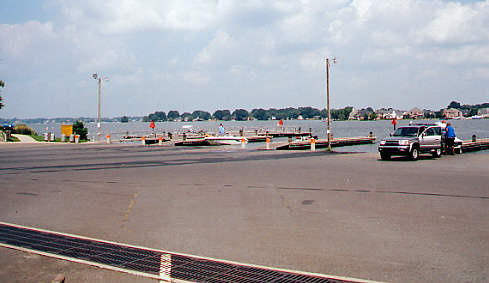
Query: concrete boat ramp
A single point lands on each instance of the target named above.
(322, 143)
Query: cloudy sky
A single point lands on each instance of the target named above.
(212, 54)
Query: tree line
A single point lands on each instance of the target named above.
(470, 110)
(289, 113)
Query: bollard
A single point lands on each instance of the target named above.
(474, 138)
(72, 138)
(243, 143)
(371, 134)
(77, 138)
(63, 137)
(313, 144)
(51, 137)
(267, 140)
(143, 140)
(160, 140)
(46, 137)
(108, 139)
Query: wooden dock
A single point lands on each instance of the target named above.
(322, 143)
(286, 134)
(203, 142)
(479, 144)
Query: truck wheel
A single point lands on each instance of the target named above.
(437, 153)
(414, 154)
(385, 156)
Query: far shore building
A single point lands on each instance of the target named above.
(360, 114)
(414, 113)
(452, 113)
(389, 114)
(484, 112)
(353, 114)
(429, 113)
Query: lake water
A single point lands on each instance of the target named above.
(380, 129)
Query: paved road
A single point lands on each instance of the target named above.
(344, 214)
(25, 138)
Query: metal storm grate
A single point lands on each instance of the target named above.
(149, 263)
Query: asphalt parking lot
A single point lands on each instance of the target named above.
(347, 214)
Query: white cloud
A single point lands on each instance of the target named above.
(20, 39)
(121, 16)
(260, 49)
(458, 24)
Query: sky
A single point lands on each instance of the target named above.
(227, 54)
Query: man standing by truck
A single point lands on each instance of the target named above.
(450, 139)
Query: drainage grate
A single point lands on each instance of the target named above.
(149, 263)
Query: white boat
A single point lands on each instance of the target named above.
(225, 140)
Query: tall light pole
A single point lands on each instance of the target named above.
(97, 77)
(327, 101)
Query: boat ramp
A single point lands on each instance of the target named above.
(322, 143)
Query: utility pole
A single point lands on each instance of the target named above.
(99, 116)
(327, 101)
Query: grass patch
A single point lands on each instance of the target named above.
(13, 139)
(38, 138)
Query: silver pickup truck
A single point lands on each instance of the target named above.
(412, 140)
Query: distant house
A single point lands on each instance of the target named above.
(452, 113)
(465, 112)
(389, 113)
(353, 114)
(414, 113)
(360, 114)
(484, 112)
(383, 113)
(429, 113)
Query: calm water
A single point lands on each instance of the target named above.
(380, 129)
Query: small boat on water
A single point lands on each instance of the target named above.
(225, 140)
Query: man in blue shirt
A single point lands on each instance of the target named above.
(450, 138)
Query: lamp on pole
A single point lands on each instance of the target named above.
(97, 77)
(327, 101)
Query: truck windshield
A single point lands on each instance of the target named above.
(406, 132)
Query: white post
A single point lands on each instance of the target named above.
(268, 142)
(143, 140)
(313, 144)
(160, 140)
(108, 139)
(243, 143)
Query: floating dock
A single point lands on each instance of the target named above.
(203, 142)
(288, 134)
(479, 144)
(321, 143)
